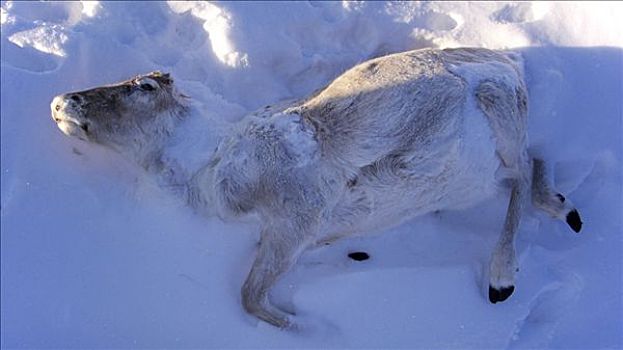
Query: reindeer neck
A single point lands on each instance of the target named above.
(186, 152)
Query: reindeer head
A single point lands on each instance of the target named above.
(131, 116)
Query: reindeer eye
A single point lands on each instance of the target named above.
(146, 84)
(147, 87)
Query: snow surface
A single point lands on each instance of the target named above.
(95, 255)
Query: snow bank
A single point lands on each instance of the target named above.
(95, 255)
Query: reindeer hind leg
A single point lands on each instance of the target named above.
(503, 263)
(551, 201)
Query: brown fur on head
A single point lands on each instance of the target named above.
(127, 116)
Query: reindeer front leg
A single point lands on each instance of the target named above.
(278, 251)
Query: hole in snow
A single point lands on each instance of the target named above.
(359, 256)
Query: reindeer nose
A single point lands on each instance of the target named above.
(57, 104)
(71, 101)
(61, 104)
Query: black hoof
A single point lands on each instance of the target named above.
(359, 256)
(574, 221)
(500, 295)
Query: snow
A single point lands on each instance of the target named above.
(44, 38)
(298, 138)
(218, 24)
(94, 254)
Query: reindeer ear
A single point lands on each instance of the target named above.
(164, 78)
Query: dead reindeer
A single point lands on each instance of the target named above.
(390, 139)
